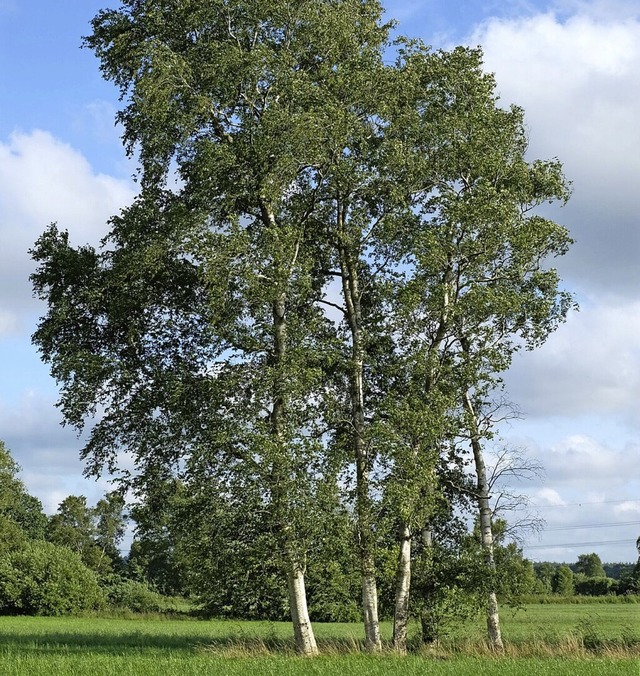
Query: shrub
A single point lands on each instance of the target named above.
(594, 586)
(43, 579)
(135, 596)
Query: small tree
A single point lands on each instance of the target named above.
(589, 565)
(563, 582)
(544, 577)
(15, 502)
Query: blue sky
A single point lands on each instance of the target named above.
(573, 65)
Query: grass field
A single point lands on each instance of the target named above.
(541, 640)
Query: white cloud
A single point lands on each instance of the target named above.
(547, 496)
(577, 81)
(581, 460)
(591, 365)
(44, 180)
(632, 506)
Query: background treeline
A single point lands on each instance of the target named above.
(222, 561)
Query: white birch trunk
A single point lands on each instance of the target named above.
(353, 313)
(486, 529)
(372, 639)
(403, 586)
(493, 623)
(302, 629)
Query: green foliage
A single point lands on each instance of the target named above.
(589, 565)
(618, 570)
(594, 586)
(199, 327)
(333, 571)
(630, 583)
(12, 537)
(94, 533)
(15, 503)
(563, 581)
(544, 577)
(43, 579)
(135, 596)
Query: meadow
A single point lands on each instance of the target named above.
(563, 640)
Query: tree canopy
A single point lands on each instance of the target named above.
(328, 253)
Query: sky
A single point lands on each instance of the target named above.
(572, 65)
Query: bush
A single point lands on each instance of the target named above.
(135, 596)
(43, 579)
(594, 586)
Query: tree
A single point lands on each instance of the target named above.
(544, 577)
(563, 583)
(478, 250)
(93, 533)
(15, 502)
(193, 328)
(110, 525)
(589, 565)
(44, 579)
(283, 163)
(73, 527)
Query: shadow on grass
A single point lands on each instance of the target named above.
(236, 643)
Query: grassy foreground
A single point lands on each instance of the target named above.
(541, 640)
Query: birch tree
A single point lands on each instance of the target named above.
(282, 164)
(478, 252)
(190, 328)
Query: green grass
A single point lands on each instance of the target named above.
(150, 646)
(553, 623)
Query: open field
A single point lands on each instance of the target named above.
(542, 640)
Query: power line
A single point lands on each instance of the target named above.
(593, 525)
(575, 545)
(582, 504)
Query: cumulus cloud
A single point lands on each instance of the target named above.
(547, 496)
(44, 180)
(591, 365)
(577, 81)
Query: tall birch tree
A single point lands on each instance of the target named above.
(477, 284)
(190, 330)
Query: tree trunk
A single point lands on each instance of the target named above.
(428, 619)
(486, 528)
(351, 295)
(302, 629)
(403, 585)
(372, 639)
(493, 622)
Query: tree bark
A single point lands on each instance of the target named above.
(351, 295)
(302, 629)
(486, 528)
(403, 586)
(428, 621)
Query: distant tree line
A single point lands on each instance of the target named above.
(71, 562)
(588, 576)
(66, 563)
